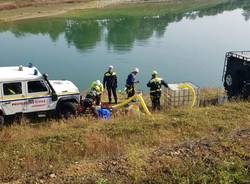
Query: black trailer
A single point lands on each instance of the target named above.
(236, 74)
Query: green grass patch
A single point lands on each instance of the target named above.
(201, 145)
(144, 9)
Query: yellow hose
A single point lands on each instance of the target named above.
(124, 102)
(144, 106)
(140, 99)
(189, 87)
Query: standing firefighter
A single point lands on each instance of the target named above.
(130, 83)
(110, 83)
(155, 90)
(98, 87)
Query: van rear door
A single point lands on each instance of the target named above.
(13, 98)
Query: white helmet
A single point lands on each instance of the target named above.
(136, 70)
(111, 67)
(154, 72)
(98, 82)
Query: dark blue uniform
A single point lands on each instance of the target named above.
(110, 82)
(130, 85)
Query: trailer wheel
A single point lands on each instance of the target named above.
(67, 110)
(229, 80)
(1, 121)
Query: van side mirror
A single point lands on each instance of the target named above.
(45, 76)
(54, 97)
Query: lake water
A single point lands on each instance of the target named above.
(181, 47)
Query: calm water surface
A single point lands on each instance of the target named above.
(182, 47)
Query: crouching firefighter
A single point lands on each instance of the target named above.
(155, 85)
(89, 102)
(98, 87)
(110, 83)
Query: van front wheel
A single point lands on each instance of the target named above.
(67, 110)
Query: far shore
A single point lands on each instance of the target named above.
(21, 10)
(31, 11)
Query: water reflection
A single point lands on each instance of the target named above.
(120, 34)
(83, 34)
(123, 33)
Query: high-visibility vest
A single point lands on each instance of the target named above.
(157, 82)
(98, 88)
(108, 74)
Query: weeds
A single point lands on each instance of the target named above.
(203, 145)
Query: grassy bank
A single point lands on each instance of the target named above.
(106, 9)
(144, 9)
(203, 145)
(20, 10)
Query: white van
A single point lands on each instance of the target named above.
(23, 90)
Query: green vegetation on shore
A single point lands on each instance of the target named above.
(203, 145)
(143, 9)
(107, 9)
(172, 7)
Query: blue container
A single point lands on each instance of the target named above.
(104, 114)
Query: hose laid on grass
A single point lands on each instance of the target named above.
(139, 98)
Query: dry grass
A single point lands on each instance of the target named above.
(26, 9)
(203, 145)
(211, 93)
(11, 4)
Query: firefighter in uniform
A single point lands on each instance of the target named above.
(110, 83)
(130, 83)
(155, 90)
(89, 102)
(98, 87)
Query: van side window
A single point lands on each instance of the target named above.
(12, 88)
(36, 87)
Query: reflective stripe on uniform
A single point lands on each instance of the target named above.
(108, 74)
(129, 90)
(156, 80)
